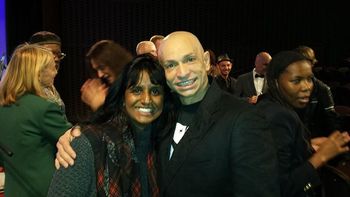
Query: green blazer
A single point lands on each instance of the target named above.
(30, 129)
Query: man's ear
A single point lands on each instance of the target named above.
(206, 60)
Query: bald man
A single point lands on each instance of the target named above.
(146, 46)
(253, 84)
(219, 146)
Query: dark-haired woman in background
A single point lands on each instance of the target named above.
(116, 157)
(290, 82)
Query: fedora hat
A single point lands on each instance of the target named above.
(224, 57)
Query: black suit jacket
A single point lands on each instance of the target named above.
(245, 87)
(295, 172)
(227, 151)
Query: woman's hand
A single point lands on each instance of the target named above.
(316, 142)
(334, 145)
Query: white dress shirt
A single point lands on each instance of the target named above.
(258, 83)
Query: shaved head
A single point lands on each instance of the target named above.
(261, 62)
(186, 64)
(146, 46)
(178, 39)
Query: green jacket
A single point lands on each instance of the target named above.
(30, 129)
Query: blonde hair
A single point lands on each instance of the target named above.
(23, 71)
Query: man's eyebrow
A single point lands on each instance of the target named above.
(169, 61)
(189, 55)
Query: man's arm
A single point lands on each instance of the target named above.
(326, 102)
(253, 157)
(238, 87)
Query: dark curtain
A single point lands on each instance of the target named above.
(239, 28)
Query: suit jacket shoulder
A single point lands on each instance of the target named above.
(245, 85)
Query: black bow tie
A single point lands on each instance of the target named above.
(257, 76)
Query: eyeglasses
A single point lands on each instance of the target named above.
(59, 55)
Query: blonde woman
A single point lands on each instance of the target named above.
(30, 124)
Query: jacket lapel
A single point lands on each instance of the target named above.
(264, 90)
(251, 86)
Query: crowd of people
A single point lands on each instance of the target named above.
(170, 122)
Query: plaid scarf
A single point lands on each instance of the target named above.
(116, 162)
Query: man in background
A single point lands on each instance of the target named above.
(146, 46)
(52, 42)
(156, 39)
(253, 84)
(224, 80)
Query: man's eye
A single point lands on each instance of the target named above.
(189, 59)
(169, 65)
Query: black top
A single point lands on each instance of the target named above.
(226, 84)
(143, 146)
(187, 113)
(319, 115)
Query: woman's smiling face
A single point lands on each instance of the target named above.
(144, 101)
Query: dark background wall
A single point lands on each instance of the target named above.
(239, 28)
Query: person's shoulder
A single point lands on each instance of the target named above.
(321, 85)
(275, 112)
(267, 104)
(31, 98)
(223, 99)
(244, 75)
(233, 79)
(218, 78)
(81, 143)
(36, 102)
(231, 102)
(92, 132)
